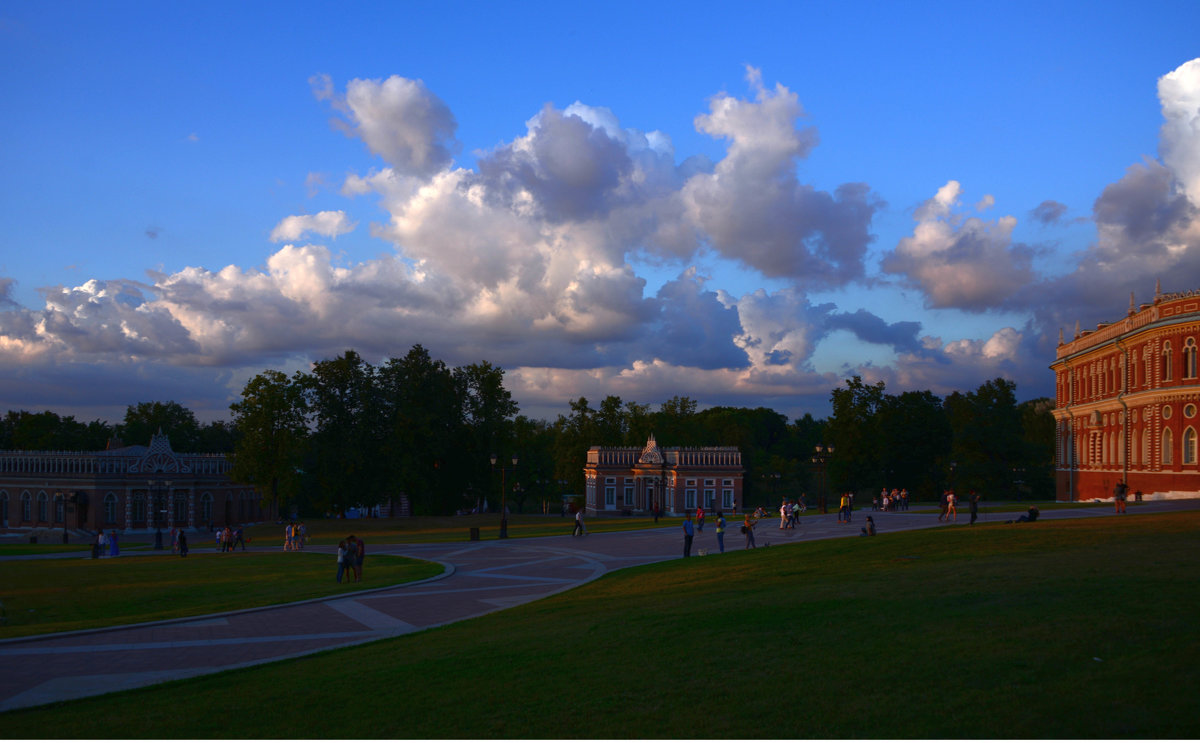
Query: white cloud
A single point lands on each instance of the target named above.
(961, 261)
(398, 119)
(1179, 140)
(327, 223)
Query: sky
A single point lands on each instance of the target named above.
(741, 204)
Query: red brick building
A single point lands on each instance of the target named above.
(130, 489)
(1128, 396)
(676, 479)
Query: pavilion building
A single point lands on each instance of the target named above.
(1127, 400)
(127, 489)
(677, 480)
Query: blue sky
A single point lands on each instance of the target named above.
(744, 206)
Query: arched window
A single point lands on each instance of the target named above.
(1146, 447)
(139, 509)
(1166, 361)
(206, 508)
(1167, 444)
(110, 508)
(43, 508)
(26, 508)
(60, 516)
(1189, 358)
(180, 508)
(1148, 360)
(1133, 448)
(1189, 446)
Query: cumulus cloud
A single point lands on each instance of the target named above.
(398, 119)
(958, 260)
(327, 223)
(1179, 140)
(753, 209)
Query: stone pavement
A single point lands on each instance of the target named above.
(479, 578)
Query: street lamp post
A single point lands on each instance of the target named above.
(504, 495)
(821, 460)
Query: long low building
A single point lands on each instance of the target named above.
(628, 479)
(1127, 402)
(127, 489)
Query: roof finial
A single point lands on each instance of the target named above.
(1076, 328)
(1157, 289)
(1060, 335)
(1131, 304)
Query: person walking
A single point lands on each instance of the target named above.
(700, 518)
(113, 548)
(181, 537)
(580, 530)
(951, 507)
(748, 529)
(973, 503)
(689, 533)
(721, 532)
(1119, 496)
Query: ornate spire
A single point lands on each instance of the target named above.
(1132, 306)
(1060, 336)
(651, 454)
(1157, 290)
(1077, 329)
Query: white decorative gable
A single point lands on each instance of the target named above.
(159, 457)
(651, 454)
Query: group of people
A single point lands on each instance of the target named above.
(690, 529)
(891, 500)
(104, 541)
(350, 559)
(789, 513)
(229, 538)
(294, 536)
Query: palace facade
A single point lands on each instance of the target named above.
(628, 479)
(128, 489)
(1127, 401)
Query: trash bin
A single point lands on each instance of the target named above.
(474, 533)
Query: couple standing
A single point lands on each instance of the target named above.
(350, 559)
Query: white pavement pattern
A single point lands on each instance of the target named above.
(480, 578)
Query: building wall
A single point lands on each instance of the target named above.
(129, 489)
(1128, 403)
(676, 479)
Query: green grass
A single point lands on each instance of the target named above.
(41, 549)
(1059, 629)
(40, 596)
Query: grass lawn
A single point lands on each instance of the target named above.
(41, 596)
(1059, 629)
(42, 549)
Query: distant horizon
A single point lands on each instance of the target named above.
(744, 207)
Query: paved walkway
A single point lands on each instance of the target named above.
(479, 578)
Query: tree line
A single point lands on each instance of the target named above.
(347, 433)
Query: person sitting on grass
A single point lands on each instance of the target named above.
(869, 529)
(1030, 517)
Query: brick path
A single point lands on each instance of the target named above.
(480, 577)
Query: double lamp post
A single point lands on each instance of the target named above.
(504, 494)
